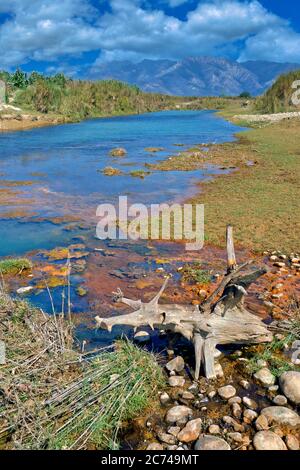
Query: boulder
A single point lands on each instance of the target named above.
(191, 431)
(176, 364)
(281, 415)
(207, 442)
(265, 377)
(176, 413)
(268, 440)
(290, 385)
(118, 152)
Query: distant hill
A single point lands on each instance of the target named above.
(196, 76)
(278, 98)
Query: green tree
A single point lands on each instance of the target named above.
(19, 79)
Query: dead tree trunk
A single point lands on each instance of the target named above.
(221, 319)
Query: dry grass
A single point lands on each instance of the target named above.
(53, 397)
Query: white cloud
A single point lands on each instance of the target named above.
(50, 29)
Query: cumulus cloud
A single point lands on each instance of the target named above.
(49, 29)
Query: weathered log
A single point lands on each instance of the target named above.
(225, 321)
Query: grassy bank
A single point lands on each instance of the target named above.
(260, 196)
(53, 397)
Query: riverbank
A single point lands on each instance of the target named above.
(260, 195)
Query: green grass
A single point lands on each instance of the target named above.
(278, 98)
(139, 378)
(194, 273)
(273, 354)
(14, 265)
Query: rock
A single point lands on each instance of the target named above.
(176, 364)
(177, 413)
(265, 377)
(174, 430)
(261, 423)
(236, 410)
(245, 384)
(261, 363)
(273, 388)
(249, 416)
(193, 388)
(235, 436)
(227, 392)
(208, 442)
(211, 394)
(281, 415)
(290, 385)
(172, 447)
(292, 442)
(214, 429)
(268, 440)
(250, 403)
(232, 422)
(167, 438)
(142, 337)
(118, 152)
(234, 400)
(219, 371)
(164, 398)
(155, 446)
(280, 400)
(24, 290)
(191, 431)
(176, 381)
(188, 395)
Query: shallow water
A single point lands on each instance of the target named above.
(62, 166)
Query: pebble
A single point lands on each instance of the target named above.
(292, 442)
(164, 398)
(191, 431)
(249, 416)
(188, 395)
(261, 423)
(226, 392)
(208, 442)
(268, 440)
(235, 436)
(174, 430)
(167, 438)
(265, 377)
(155, 446)
(212, 394)
(177, 413)
(219, 371)
(176, 364)
(236, 410)
(193, 388)
(250, 403)
(232, 422)
(214, 429)
(176, 381)
(234, 400)
(261, 363)
(290, 385)
(245, 384)
(280, 400)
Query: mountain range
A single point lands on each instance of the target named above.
(196, 76)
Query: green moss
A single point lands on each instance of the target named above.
(194, 273)
(14, 265)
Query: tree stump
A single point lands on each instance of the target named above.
(222, 321)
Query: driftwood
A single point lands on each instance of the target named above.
(222, 321)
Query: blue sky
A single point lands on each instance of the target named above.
(77, 36)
